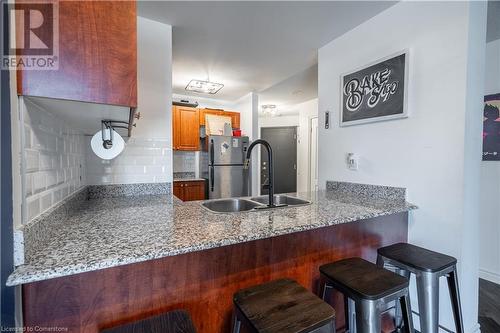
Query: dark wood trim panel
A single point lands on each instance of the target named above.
(203, 282)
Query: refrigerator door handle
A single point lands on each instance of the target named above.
(212, 153)
(212, 175)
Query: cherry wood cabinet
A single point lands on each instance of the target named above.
(190, 190)
(97, 55)
(186, 128)
(235, 116)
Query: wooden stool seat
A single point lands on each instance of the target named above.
(177, 321)
(282, 306)
(417, 257)
(367, 290)
(362, 278)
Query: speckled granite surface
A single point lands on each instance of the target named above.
(366, 191)
(37, 232)
(117, 231)
(183, 175)
(186, 176)
(124, 190)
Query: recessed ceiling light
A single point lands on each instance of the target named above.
(204, 87)
(269, 109)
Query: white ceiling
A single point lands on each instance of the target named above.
(255, 46)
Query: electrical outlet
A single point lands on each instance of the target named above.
(352, 161)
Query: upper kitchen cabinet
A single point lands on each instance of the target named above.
(97, 55)
(186, 128)
(235, 116)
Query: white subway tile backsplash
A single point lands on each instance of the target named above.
(29, 184)
(46, 201)
(184, 161)
(54, 159)
(31, 160)
(155, 169)
(45, 161)
(33, 207)
(140, 162)
(27, 136)
(39, 183)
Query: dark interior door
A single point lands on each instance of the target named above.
(283, 141)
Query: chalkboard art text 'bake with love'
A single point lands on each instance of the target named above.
(376, 92)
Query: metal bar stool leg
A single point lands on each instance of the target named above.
(428, 301)
(350, 315)
(406, 313)
(368, 317)
(380, 261)
(455, 300)
(236, 323)
(398, 311)
(328, 328)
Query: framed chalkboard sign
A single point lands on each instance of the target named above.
(375, 92)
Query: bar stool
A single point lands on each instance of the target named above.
(428, 266)
(177, 321)
(281, 306)
(367, 290)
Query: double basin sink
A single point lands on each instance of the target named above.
(234, 205)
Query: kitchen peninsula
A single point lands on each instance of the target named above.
(110, 260)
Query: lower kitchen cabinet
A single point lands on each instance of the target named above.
(190, 190)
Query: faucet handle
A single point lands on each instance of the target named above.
(246, 164)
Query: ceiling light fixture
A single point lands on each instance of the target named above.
(269, 109)
(204, 87)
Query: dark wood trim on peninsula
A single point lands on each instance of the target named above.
(203, 282)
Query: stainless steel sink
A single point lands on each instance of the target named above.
(280, 199)
(230, 205)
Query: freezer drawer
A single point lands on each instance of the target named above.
(227, 181)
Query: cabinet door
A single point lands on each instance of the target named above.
(186, 128)
(179, 190)
(194, 190)
(97, 55)
(235, 118)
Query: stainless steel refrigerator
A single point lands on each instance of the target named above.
(226, 176)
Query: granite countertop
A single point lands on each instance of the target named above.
(186, 176)
(188, 179)
(108, 232)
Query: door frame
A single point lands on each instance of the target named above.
(309, 132)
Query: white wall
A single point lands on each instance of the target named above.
(278, 121)
(435, 153)
(489, 262)
(147, 157)
(248, 107)
(307, 111)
